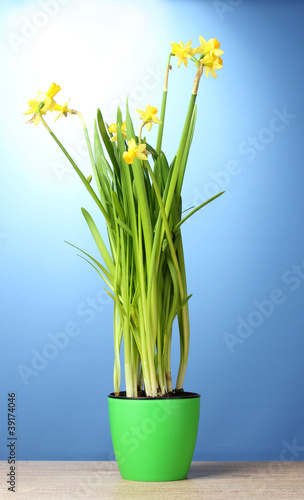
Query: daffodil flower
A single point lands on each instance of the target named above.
(47, 98)
(63, 109)
(148, 116)
(182, 52)
(211, 47)
(113, 130)
(134, 151)
(33, 110)
(211, 63)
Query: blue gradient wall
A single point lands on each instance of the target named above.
(244, 252)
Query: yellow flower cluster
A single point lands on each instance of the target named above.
(209, 54)
(136, 150)
(49, 104)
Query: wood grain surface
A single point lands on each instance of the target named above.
(206, 480)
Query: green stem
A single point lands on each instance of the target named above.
(140, 131)
(78, 171)
(74, 112)
(196, 61)
(179, 154)
(163, 109)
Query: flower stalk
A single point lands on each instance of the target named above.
(163, 108)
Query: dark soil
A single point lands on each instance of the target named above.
(180, 394)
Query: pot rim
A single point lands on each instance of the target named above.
(182, 395)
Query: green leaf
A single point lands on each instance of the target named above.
(99, 242)
(104, 279)
(100, 158)
(106, 140)
(104, 270)
(141, 191)
(100, 171)
(164, 244)
(173, 162)
(186, 152)
(121, 145)
(152, 151)
(124, 226)
(196, 209)
(112, 296)
(118, 207)
(164, 167)
(119, 118)
(130, 128)
(183, 303)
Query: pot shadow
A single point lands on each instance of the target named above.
(209, 469)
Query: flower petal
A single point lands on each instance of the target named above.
(202, 41)
(217, 52)
(131, 144)
(155, 119)
(53, 90)
(113, 128)
(140, 148)
(141, 156)
(141, 112)
(127, 157)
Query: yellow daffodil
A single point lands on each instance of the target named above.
(211, 63)
(148, 116)
(134, 152)
(182, 52)
(33, 110)
(47, 98)
(63, 109)
(113, 130)
(211, 47)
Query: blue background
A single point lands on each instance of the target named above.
(244, 252)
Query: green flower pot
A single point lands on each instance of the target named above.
(154, 438)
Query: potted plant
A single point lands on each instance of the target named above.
(153, 423)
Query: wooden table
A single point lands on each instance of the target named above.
(206, 481)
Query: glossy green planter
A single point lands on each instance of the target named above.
(154, 438)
